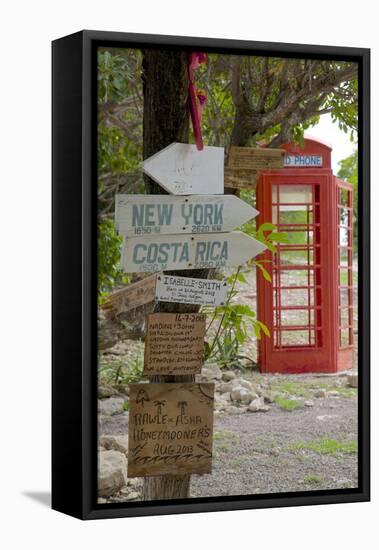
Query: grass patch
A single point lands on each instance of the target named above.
(225, 440)
(288, 404)
(313, 480)
(327, 446)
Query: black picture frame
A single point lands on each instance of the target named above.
(74, 358)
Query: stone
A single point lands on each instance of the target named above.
(236, 410)
(112, 473)
(245, 384)
(352, 380)
(101, 500)
(242, 395)
(228, 375)
(133, 495)
(211, 372)
(105, 391)
(320, 393)
(115, 443)
(333, 393)
(257, 404)
(226, 387)
(112, 405)
(308, 403)
(269, 396)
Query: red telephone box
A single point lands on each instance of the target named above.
(309, 305)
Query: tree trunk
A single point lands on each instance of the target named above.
(166, 120)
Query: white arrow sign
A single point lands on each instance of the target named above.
(187, 290)
(183, 170)
(171, 252)
(167, 214)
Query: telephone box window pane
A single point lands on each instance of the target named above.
(295, 338)
(344, 337)
(298, 257)
(344, 197)
(344, 297)
(297, 297)
(296, 277)
(296, 317)
(344, 257)
(293, 194)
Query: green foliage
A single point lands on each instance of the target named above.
(327, 446)
(234, 322)
(108, 252)
(288, 404)
(349, 172)
(117, 372)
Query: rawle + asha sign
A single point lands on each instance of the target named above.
(172, 252)
(183, 170)
(170, 429)
(165, 214)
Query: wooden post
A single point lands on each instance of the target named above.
(166, 120)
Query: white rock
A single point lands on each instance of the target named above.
(228, 375)
(115, 443)
(113, 405)
(333, 393)
(112, 474)
(352, 379)
(245, 384)
(257, 404)
(308, 403)
(211, 372)
(242, 395)
(226, 387)
(236, 410)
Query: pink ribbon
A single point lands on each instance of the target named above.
(197, 98)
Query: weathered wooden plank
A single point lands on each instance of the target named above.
(170, 429)
(130, 297)
(168, 214)
(187, 290)
(183, 170)
(240, 179)
(255, 158)
(172, 252)
(174, 343)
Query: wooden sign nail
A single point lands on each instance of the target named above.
(174, 343)
(187, 290)
(170, 429)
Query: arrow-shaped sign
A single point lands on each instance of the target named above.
(171, 252)
(167, 214)
(183, 170)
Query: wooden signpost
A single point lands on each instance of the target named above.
(240, 179)
(171, 252)
(174, 343)
(165, 214)
(130, 297)
(170, 429)
(171, 424)
(255, 158)
(187, 290)
(183, 170)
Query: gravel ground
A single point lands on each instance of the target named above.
(264, 452)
